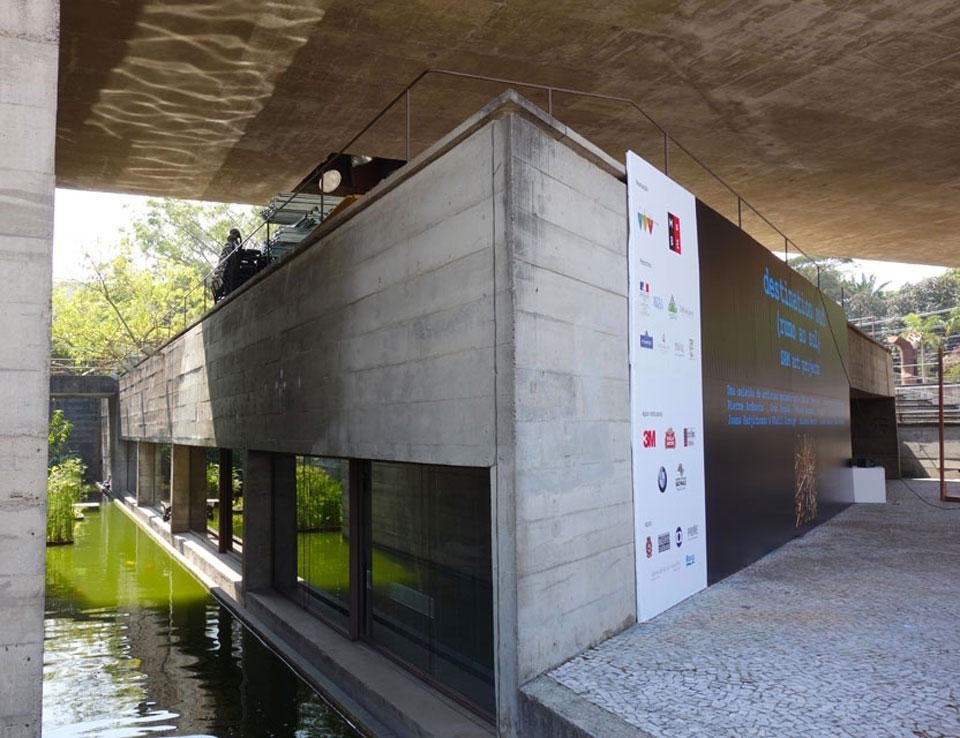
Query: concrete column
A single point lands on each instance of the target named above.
(257, 566)
(28, 110)
(284, 521)
(180, 488)
(198, 489)
(115, 448)
(147, 474)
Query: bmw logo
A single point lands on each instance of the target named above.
(662, 479)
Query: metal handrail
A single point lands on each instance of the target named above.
(551, 90)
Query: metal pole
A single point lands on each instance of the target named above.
(739, 213)
(786, 250)
(550, 100)
(666, 153)
(406, 126)
(943, 479)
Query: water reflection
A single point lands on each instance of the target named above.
(135, 647)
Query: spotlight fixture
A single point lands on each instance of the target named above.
(330, 181)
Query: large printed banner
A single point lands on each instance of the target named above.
(666, 390)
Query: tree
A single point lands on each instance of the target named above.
(864, 298)
(151, 288)
(190, 233)
(933, 293)
(825, 273)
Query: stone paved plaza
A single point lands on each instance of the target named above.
(852, 630)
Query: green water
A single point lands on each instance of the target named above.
(134, 646)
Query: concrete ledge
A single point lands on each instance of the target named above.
(68, 385)
(547, 708)
(370, 690)
(396, 697)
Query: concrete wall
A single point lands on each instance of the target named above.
(873, 430)
(378, 343)
(85, 438)
(870, 364)
(920, 451)
(29, 32)
(574, 514)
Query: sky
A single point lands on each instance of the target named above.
(92, 221)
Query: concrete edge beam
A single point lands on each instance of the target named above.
(549, 708)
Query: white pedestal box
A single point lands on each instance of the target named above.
(855, 484)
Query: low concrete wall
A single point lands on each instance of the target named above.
(920, 451)
(870, 364)
(86, 437)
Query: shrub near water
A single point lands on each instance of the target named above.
(64, 490)
(319, 500)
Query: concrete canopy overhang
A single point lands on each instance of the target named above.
(837, 120)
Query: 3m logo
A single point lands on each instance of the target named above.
(673, 232)
(649, 439)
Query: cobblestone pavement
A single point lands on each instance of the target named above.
(852, 630)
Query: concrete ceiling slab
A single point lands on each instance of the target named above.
(837, 119)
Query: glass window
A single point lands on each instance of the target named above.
(323, 535)
(430, 591)
(215, 501)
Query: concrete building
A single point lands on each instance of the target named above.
(800, 107)
(467, 319)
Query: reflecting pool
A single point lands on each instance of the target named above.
(134, 646)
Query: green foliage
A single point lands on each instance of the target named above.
(319, 499)
(213, 482)
(934, 293)
(64, 490)
(190, 234)
(58, 434)
(148, 289)
(827, 273)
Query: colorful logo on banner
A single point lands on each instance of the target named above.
(673, 229)
(646, 222)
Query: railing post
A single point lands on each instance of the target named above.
(739, 213)
(550, 101)
(786, 250)
(943, 477)
(406, 125)
(666, 153)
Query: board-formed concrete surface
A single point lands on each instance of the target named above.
(852, 630)
(28, 96)
(838, 119)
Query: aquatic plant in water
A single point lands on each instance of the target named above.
(64, 490)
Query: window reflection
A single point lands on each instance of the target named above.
(430, 598)
(323, 538)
